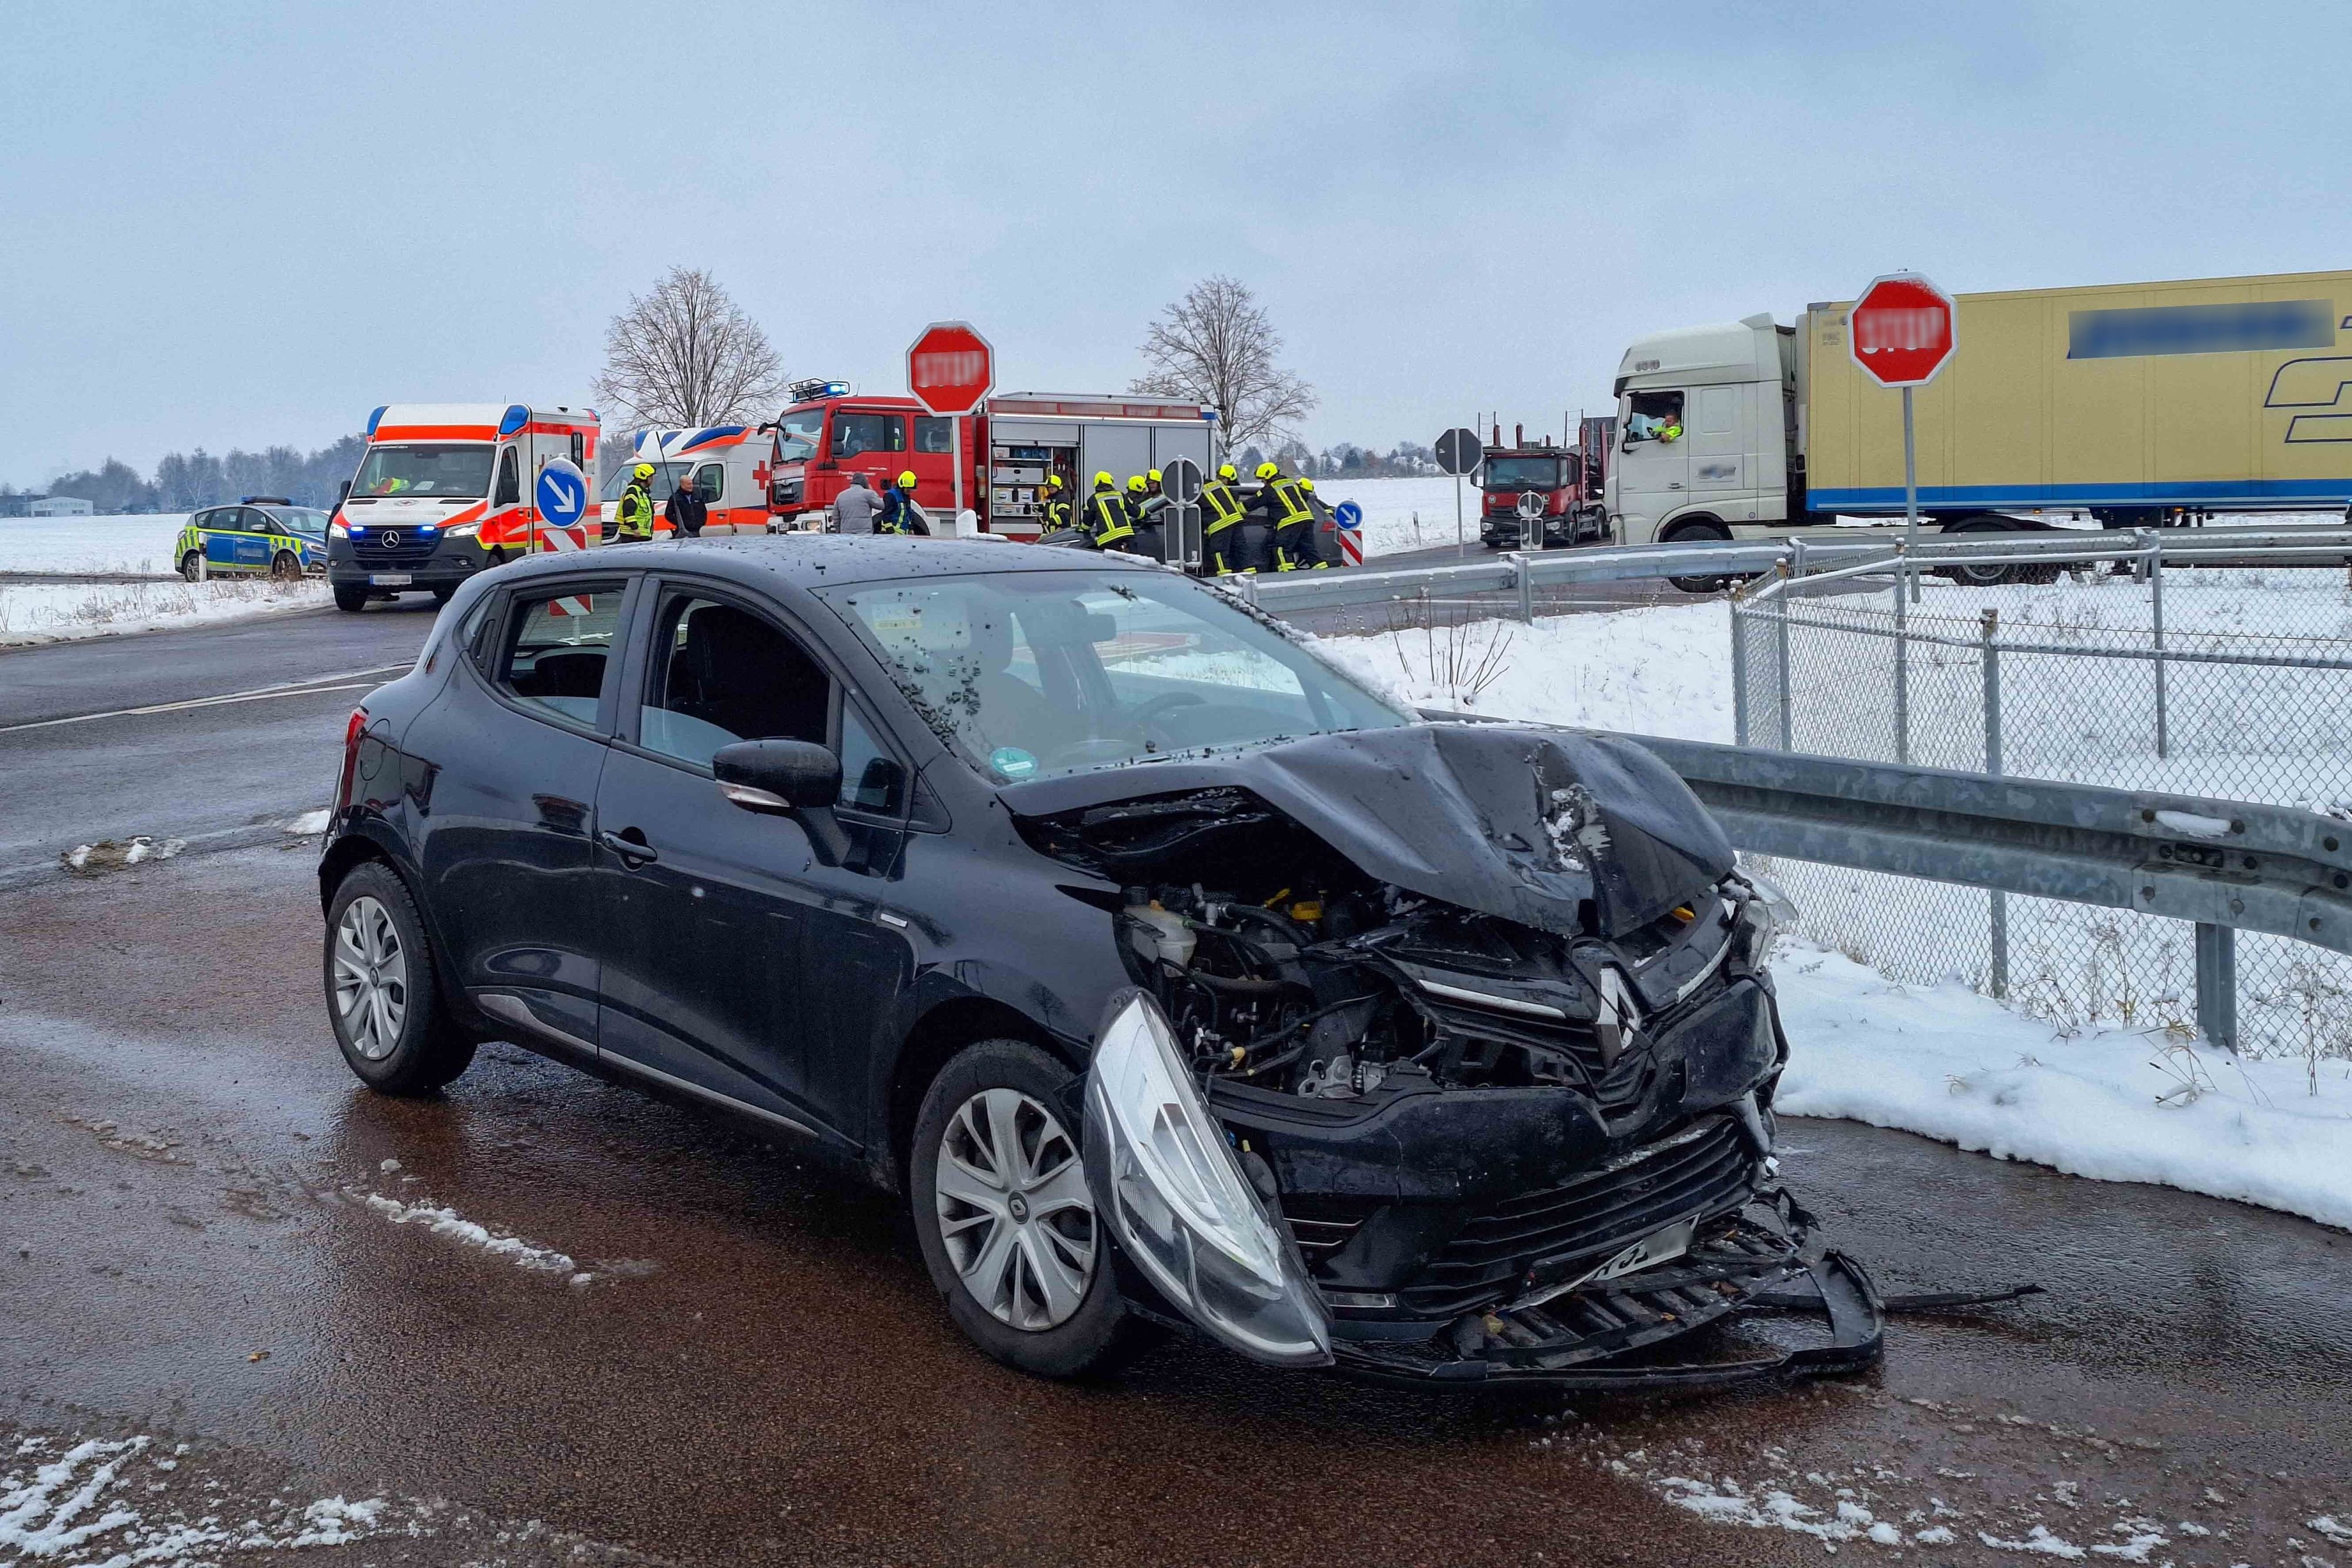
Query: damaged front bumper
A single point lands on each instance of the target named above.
(1765, 1261)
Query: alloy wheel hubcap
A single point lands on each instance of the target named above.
(1014, 1214)
(371, 969)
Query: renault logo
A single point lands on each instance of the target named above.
(392, 539)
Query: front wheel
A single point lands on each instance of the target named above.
(383, 989)
(1006, 1221)
(192, 566)
(351, 596)
(286, 568)
(1707, 533)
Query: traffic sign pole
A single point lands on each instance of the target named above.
(1910, 495)
(1901, 331)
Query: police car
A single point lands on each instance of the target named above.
(260, 534)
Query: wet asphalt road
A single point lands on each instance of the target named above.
(212, 1236)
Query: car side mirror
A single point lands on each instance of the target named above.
(795, 778)
(344, 494)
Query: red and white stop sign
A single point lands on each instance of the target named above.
(1902, 330)
(951, 368)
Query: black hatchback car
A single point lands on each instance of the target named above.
(1177, 977)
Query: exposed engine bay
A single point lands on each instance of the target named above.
(1482, 1011)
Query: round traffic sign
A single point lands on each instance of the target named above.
(1458, 451)
(1532, 504)
(1347, 514)
(1179, 480)
(951, 368)
(562, 492)
(1902, 330)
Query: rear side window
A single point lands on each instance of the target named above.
(556, 649)
(858, 433)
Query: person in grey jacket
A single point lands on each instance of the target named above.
(854, 508)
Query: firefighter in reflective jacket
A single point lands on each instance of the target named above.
(1055, 509)
(636, 517)
(898, 512)
(1221, 513)
(1108, 524)
(1323, 523)
(1285, 513)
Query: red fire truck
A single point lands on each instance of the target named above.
(1569, 478)
(1009, 448)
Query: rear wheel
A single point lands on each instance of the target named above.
(1006, 1221)
(191, 566)
(1689, 533)
(383, 991)
(351, 596)
(1992, 574)
(443, 594)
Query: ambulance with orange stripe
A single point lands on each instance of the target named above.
(728, 462)
(446, 489)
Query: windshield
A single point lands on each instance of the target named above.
(1521, 473)
(300, 521)
(797, 433)
(432, 468)
(665, 480)
(1029, 675)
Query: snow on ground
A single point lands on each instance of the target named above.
(1406, 514)
(2113, 1105)
(451, 1226)
(124, 546)
(2116, 1104)
(56, 612)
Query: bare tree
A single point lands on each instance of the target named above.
(685, 354)
(1216, 347)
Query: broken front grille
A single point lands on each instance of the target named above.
(1705, 1170)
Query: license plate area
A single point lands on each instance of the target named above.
(391, 578)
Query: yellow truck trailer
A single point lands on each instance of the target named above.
(2142, 404)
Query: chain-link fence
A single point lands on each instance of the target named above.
(2229, 681)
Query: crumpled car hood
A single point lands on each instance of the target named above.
(1521, 823)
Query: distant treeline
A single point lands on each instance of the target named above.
(184, 481)
(1346, 461)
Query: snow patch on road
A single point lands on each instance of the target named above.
(116, 854)
(2114, 1105)
(310, 822)
(449, 1224)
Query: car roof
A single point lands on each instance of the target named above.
(821, 560)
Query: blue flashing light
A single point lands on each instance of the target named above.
(1208, 415)
(375, 419)
(516, 416)
(836, 389)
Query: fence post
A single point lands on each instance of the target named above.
(1784, 690)
(1526, 586)
(2155, 545)
(2217, 985)
(1902, 664)
(1997, 978)
(1741, 615)
(1797, 561)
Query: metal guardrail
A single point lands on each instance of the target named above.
(2226, 865)
(1526, 571)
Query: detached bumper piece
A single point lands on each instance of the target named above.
(1762, 1269)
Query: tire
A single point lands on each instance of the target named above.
(1993, 576)
(1689, 531)
(286, 568)
(383, 990)
(1020, 1325)
(191, 565)
(351, 596)
(443, 594)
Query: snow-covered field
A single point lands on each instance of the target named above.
(2094, 1094)
(56, 612)
(125, 546)
(1406, 514)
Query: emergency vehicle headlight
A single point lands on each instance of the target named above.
(462, 530)
(338, 529)
(516, 416)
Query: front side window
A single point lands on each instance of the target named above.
(856, 434)
(665, 480)
(301, 520)
(1027, 674)
(797, 434)
(510, 492)
(1648, 414)
(434, 468)
(711, 481)
(720, 674)
(933, 434)
(556, 650)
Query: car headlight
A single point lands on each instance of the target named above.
(461, 530)
(1767, 912)
(338, 529)
(1179, 1203)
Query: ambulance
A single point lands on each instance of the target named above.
(445, 489)
(728, 462)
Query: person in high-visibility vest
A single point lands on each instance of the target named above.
(1050, 501)
(1108, 524)
(1321, 516)
(636, 515)
(1286, 512)
(1221, 513)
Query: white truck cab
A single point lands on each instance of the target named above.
(1731, 389)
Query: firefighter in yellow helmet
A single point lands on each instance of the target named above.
(635, 518)
(1051, 506)
(900, 514)
(1108, 522)
(1285, 513)
(1221, 514)
(1322, 524)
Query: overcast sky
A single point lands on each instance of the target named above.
(236, 223)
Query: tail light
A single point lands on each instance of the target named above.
(353, 731)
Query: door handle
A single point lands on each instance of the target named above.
(636, 852)
(1674, 483)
